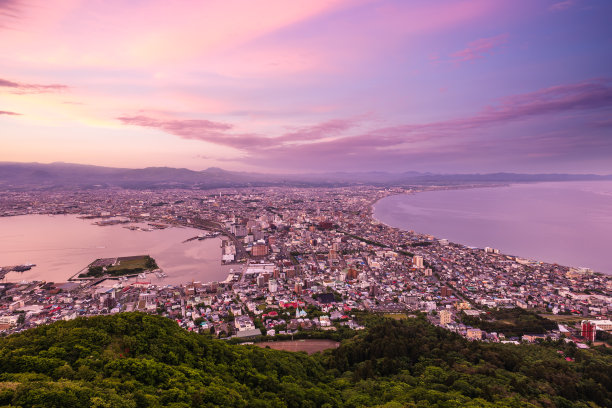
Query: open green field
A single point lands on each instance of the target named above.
(310, 346)
(396, 316)
(130, 263)
(562, 318)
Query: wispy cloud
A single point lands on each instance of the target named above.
(562, 5)
(220, 133)
(9, 113)
(10, 10)
(479, 48)
(330, 139)
(23, 88)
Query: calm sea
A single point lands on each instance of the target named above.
(62, 245)
(568, 223)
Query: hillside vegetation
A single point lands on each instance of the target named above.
(138, 360)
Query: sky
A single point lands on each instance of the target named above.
(281, 86)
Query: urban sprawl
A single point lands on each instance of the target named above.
(305, 260)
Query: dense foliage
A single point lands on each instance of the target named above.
(138, 360)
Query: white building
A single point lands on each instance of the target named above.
(417, 261)
(272, 285)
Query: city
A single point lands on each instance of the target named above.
(305, 261)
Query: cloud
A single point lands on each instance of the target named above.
(219, 133)
(593, 94)
(323, 130)
(330, 144)
(562, 5)
(479, 49)
(10, 11)
(9, 113)
(459, 137)
(22, 88)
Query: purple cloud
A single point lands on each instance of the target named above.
(323, 130)
(9, 113)
(9, 10)
(328, 144)
(21, 88)
(218, 133)
(479, 48)
(562, 5)
(439, 140)
(198, 129)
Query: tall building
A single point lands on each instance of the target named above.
(417, 261)
(333, 255)
(445, 317)
(446, 292)
(272, 285)
(588, 330)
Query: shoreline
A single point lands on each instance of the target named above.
(372, 210)
(69, 272)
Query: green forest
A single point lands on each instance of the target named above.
(139, 360)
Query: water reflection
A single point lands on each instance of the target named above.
(60, 246)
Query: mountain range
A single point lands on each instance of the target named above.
(22, 176)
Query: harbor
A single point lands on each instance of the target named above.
(15, 268)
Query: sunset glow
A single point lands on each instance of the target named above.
(309, 86)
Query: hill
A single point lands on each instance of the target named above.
(24, 176)
(138, 360)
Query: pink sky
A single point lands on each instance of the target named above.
(447, 86)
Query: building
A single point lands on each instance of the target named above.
(445, 317)
(474, 334)
(272, 285)
(352, 274)
(16, 305)
(245, 327)
(259, 250)
(588, 330)
(417, 261)
(228, 252)
(239, 230)
(333, 255)
(603, 325)
(446, 292)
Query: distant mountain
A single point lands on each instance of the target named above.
(22, 176)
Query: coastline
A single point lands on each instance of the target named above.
(62, 263)
(436, 236)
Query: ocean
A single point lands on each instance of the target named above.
(568, 223)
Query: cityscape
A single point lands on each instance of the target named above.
(305, 259)
(306, 204)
